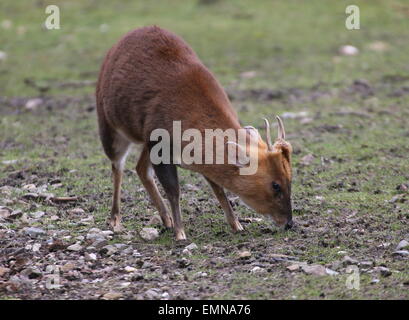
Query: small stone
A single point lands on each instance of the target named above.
(385, 272)
(331, 272)
(155, 220)
(200, 274)
(378, 46)
(121, 246)
(130, 269)
(402, 245)
(244, 254)
(112, 295)
(107, 233)
(315, 269)
(100, 243)
(402, 253)
(31, 273)
(68, 267)
(4, 271)
(90, 256)
(294, 267)
(33, 104)
(149, 234)
(165, 295)
(76, 211)
(348, 50)
(153, 294)
(183, 262)
(5, 213)
(30, 187)
(257, 270)
(374, 281)
(186, 252)
(191, 187)
(307, 160)
(124, 284)
(108, 250)
(248, 74)
(366, 264)
(36, 247)
(191, 247)
(346, 261)
(75, 247)
(34, 232)
(94, 230)
(402, 187)
(37, 214)
(3, 56)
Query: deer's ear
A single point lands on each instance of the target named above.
(283, 147)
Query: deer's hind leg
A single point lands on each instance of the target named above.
(116, 148)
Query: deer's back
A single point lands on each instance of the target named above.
(150, 78)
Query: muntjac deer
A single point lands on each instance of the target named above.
(152, 78)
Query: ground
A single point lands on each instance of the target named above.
(346, 117)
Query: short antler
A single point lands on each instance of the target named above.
(268, 136)
(281, 131)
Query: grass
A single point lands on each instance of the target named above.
(291, 45)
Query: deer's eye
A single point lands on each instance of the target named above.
(276, 187)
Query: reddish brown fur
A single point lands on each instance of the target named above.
(151, 78)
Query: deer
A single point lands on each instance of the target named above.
(150, 78)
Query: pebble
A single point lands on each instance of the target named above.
(192, 247)
(36, 247)
(34, 232)
(108, 250)
(347, 260)
(348, 50)
(100, 243)
(149, 234)
(183, 262)
(402, 245)
(200, 274)
(153, 294)
(124, 284)
(75, 247)
(130, 269)
(257, 270)
(90, 256)
(315, 269)
(244, 254)
(76, 211)
(68, 267)
(4, 271)
(112, 295)
(33, 104)
(31, 273)
(402, 253)
(385, 272)
(3, 55)
(155, 220)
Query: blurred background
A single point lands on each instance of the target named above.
(288, 43)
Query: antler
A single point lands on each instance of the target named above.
(281, 131)
(268, 136)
